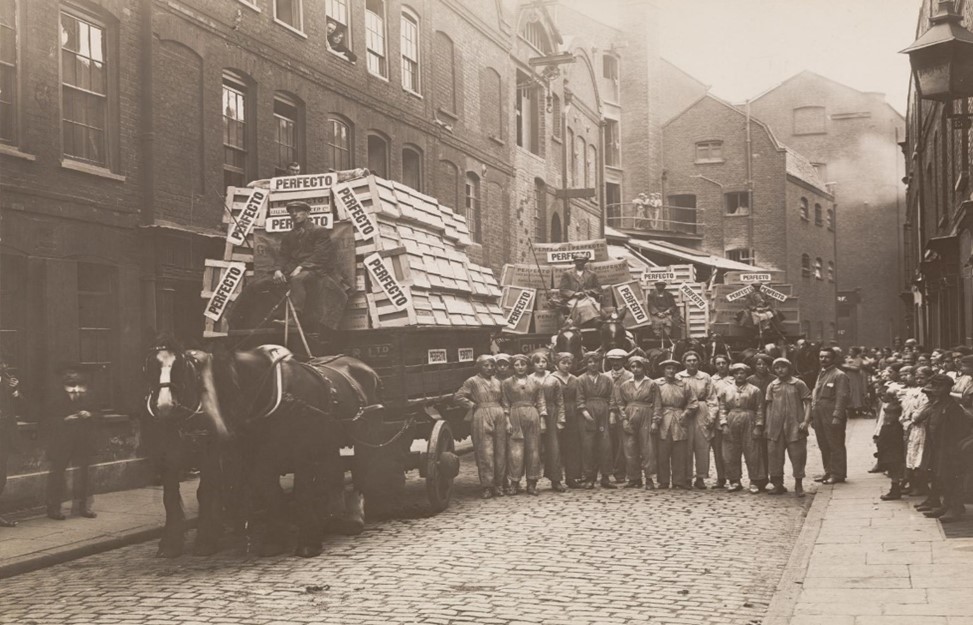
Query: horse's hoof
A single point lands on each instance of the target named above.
(308, 551)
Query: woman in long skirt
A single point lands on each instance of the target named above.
(554, 422)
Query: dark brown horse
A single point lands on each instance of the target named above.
(182, 431)
(289, 418)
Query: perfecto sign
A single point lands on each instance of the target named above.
(221, 296)
(568, 256)
(243, 225)
(628, 296)
(655, 276)
(755, 277)
(283, 223)
(692, 296)
(314, 182)
(772, 293)
(386, 279)
(356, 212)
(739, 294)
(520, 307)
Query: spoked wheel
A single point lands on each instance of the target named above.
(442, 466)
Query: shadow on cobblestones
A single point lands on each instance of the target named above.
(602, 556)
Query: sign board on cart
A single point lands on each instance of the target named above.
(519, 314)
(630, 296)
(659, 275)
(563, 251)
(229, 282)
(241, 226)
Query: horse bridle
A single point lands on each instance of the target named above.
(192, 365)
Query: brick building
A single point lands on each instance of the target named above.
(737, 192)
(852, 139)
(121, 124)
(938, 226)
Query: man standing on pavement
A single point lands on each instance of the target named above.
(71, 439)
(788, 409)
(678, 405)
(618, 374)
(701, 425)
(742, 422)
(829, 406)
(949, 425)
(480, 395)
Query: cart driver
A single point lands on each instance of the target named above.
(663, 310)
(760, 309)
(580, 292)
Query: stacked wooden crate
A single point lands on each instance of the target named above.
(697, 318)
(725, 312)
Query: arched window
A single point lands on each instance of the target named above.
(340, 142)
(805, 265)
(445, 72)
(804, 209)
(288, 131)
(818, 268)
(412, 167)
(377, 55)
(536, 35)
(556, 231)
(830, 271)
(472, 188)
(237, 130)
(591, 174)
(540, 209)
(410, 51)
(818, 217)
(378, 155)
(830, 219)
(578, 153)
(491, 117)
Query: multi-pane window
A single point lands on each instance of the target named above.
(591, 169)
(610, 72)
(84, 82)
(285, 133)
(339, 145)
(830, 271)
(289, 12)
(375, 37)
(830, 219)
(578, 154)
(737, 202)
(818, 215)
(613, 148)
(14, 309)
(527, 114)
(534, 34)
(473, 207)
(805, 215)
(412, 168)
(338, 34)
(709, 152)
(378, 156)
(818, 267)
(96, 326)
(805, 265)
(410, 52)
(740, 255)
(235, 142)
(8, 71)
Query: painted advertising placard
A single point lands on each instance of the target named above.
(630, 296)
(229, 282)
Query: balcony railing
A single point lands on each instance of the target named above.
(664, 219)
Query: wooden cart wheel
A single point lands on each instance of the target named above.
(442, 466)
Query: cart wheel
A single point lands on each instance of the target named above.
(442, 466)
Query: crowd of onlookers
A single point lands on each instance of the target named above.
(924, 429)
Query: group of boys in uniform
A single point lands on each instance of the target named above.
(527, 421)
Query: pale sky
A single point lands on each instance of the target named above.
(744, 47)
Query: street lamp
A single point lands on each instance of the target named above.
(942, 57)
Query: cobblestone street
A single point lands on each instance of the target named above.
(619, 556)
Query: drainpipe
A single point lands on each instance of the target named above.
(753, 208)
(146, 146)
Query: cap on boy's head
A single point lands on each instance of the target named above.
(293, 207)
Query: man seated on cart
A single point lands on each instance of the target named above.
(307, 266)
(760, 313)
(663, 310)
(580, 292)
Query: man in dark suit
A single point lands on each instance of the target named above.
(70, 440)
(829, 408)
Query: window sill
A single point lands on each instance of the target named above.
(711, 161)
(805, 220)
(414, 94)
(341, 55)
(378, 76)
(296, 31)
(93, 170)
(615, 167)
(9, 150)
(961, 182)
(556, 139)
(453, 116)
(497, 140)
(250, 6)
(747, 214)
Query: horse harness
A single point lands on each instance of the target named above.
(190, 363)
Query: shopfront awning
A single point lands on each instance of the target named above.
(162, 224)
(657, 249)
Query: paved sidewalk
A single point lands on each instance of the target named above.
(863, 561)
(124, 518)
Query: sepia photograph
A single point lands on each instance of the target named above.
(486, 312)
